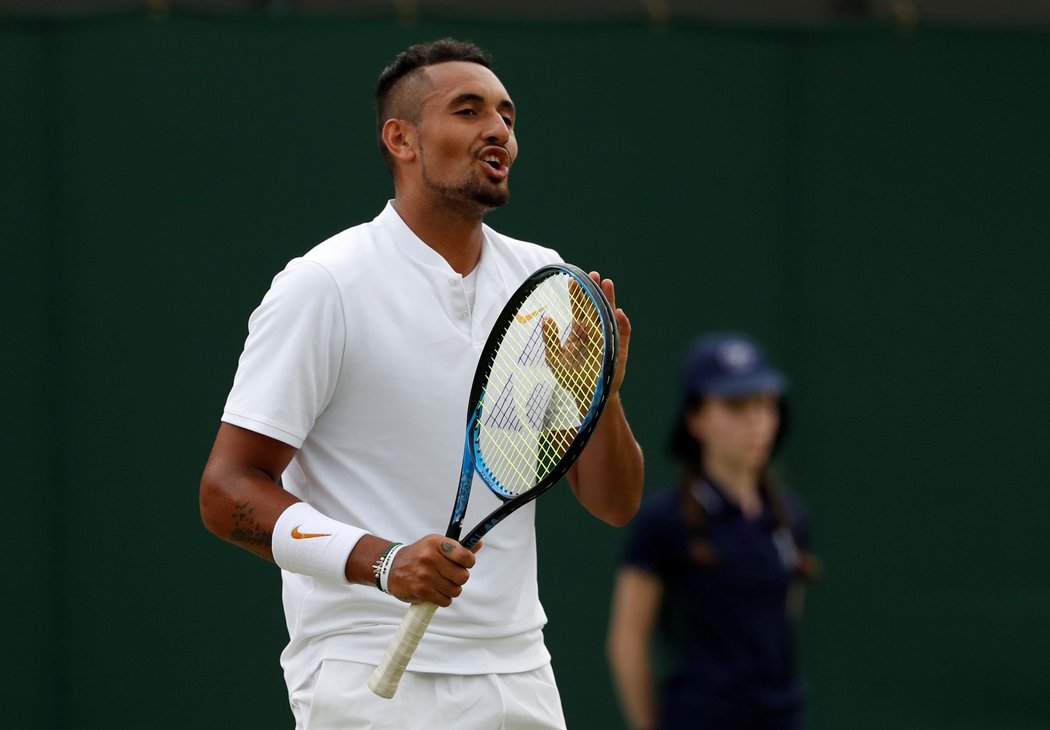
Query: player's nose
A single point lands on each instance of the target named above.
(497, 130)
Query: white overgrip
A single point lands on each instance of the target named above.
(387, 675)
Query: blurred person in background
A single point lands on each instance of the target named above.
(715, 565)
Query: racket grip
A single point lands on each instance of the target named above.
(387, 675)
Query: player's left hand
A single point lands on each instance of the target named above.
(575, 362)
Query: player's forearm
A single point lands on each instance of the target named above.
(243, 509)
(609, 475)
(240, 498)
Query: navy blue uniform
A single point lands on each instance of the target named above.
(724, 613)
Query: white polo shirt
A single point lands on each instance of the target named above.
(361, 356)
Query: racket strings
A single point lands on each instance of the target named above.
(542, 383)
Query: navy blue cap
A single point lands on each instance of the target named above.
(729, 365)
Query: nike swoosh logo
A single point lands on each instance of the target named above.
(523, 318)
(307, 535)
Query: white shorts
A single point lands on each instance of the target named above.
(339, 699)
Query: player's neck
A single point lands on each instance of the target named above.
(738, 483)
(454, 234)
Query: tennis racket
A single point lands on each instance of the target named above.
(539, 388)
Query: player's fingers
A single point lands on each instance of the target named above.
(451, 574)
(623, 326)
(453, 554)
(450, 589)
(571, 347)
(609, 289)
(440, 596)
(583, 308)
(463, 557)
(432, 552)
(579, 300)
(580, 332)
(443, 591)
(551, 340)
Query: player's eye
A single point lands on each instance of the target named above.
(508, 121)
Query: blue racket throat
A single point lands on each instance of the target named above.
(466, 479)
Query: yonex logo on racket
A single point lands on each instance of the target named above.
(307, 535)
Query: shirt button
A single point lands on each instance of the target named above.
(464, 315)
(453, 282)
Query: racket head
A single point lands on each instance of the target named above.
(540, 387)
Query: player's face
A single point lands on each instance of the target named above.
(466, 135)
(737, 432)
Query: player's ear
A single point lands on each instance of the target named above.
(400, 137)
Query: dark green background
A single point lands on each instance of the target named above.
(871, 203)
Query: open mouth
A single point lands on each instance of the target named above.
(497, 159)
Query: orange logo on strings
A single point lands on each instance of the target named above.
(523, 318)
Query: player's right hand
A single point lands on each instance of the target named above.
(432, 569)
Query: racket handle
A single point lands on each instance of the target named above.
(387, 675)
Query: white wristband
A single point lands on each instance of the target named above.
(384, 571)
(307, 542)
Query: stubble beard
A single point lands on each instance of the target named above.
(472, 196)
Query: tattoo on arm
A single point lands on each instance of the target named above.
(246, 530)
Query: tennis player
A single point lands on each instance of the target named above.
(342, 435)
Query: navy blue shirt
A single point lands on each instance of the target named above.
(724, 613)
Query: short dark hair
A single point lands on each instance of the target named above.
(405, 64)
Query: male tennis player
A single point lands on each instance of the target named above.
(343, 432)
